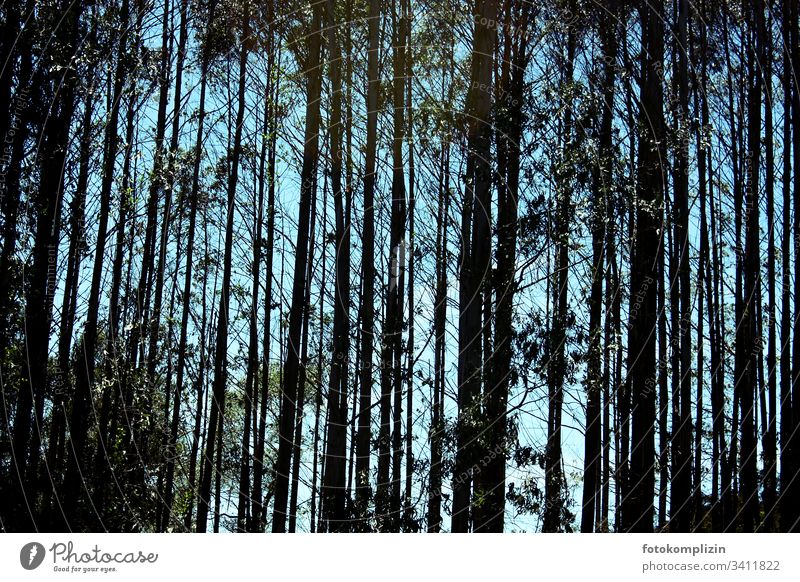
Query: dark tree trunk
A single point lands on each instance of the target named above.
(474, 260)
(141, 323)
(747, 336)
(408, 511)
(681, 499)
(333, 502)
(555, 484)
(771, 436)
(367, 308)
(387, 503)
(173, 398)
(193, 196)
(215, 422)
(308, 184)
(787, 419)
(301, 390)
(437, 428)
(79, 462)
(637, 497)
(258, 511)
(601, 190)
(790, 514)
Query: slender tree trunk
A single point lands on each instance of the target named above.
(186, 305)
(787, 419)
(270, 140)
(437, 428)
(412, 255)
(174, 410)
(747, 338)
(85, 366)
(138, 336)
(387, 502)
(291, 365)
(681, 502)
(555, 485)
(729, 493)
(637, 497)
(623, 430)
(702, 154)
(333, 502)
(367, 308)
(602, 188)
(215, 423)
(301, 391)
(771, 438)
(474, 260)
(318, 389)
(790, 520)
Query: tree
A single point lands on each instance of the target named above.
(602, 184)
(367, 307)
(474, 260)
(637, 498)
(291, 365)
(333, 502)
(218, 394)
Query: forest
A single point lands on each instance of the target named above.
(399, 266)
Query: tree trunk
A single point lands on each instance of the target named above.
(367, 308)
(333, 502)
(291, 365)
(787, 462)
(637, 498)
(771, 438)
(602, 188)
(555, 484)
(681, 502)
(217, 414)
(474, 260)
(270, 139)
(85, 366)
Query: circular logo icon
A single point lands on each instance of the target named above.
(31, 555)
